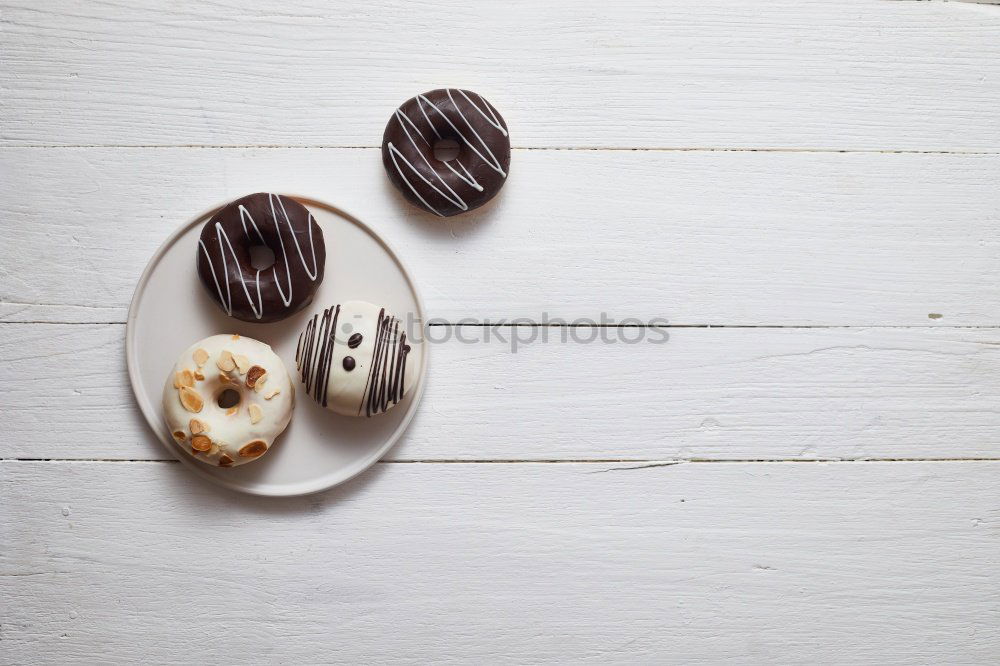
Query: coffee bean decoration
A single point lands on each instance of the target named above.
(354, 340)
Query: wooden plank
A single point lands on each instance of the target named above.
(705, 393)
(696, 238)
(861, 563)
(638, 73)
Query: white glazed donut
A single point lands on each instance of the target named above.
(231, 435)
(355, 360)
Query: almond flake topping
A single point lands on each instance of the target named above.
(254, 375)
(253, 449)
(242, 363)
(226, 363)
(259, 384)
(183, 378)
(191, 399)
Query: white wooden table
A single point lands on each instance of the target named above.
(808, 471)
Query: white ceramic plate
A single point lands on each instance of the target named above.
(170, 310)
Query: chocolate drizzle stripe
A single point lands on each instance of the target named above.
(326, 362)
(304, 354)
(314, 355)
(386, 378)
(365, 396)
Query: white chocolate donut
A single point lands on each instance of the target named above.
(354, 359)
(234, 435)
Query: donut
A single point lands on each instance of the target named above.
(227, 400)
(273, 293)
(458, 185)
(354, 359)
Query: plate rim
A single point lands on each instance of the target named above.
(154, 418)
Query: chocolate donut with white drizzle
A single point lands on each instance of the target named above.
(271, 294)
(447, 187)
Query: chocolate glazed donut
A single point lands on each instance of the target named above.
(270, 294)
(455, 186)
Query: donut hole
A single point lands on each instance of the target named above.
(228, 398)
(446, 150)
(261, 257)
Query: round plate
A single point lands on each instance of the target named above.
(171, 310)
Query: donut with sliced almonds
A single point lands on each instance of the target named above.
(227, 400)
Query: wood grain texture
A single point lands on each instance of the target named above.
(696, 238)
(866, 563)
(638, 73)
(705, 393)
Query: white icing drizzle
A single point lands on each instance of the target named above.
(309, 223)
(393, 152)
(258, 309)
(465, 175)
(493, 162)
(457, 200)
(420, 105)
(492, 119)
(468, 177)
(400, 116)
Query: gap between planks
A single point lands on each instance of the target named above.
(653, 149)
(640, 463)
(583, 326)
